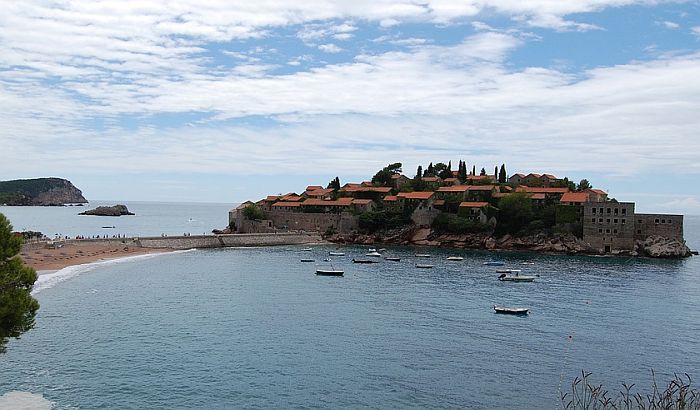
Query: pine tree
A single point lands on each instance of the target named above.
(449, 167)
(483, 172)
(419, 173)
(474, 170)
(462, 175)
(495, 172)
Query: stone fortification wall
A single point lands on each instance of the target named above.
(667, 226)
(312, 221)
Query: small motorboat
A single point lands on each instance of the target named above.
(511, 310)
(329, 272)
(509, 277)
(364, 261)
(455, 258)
(336, 253)
(374, 254)
(371, 250)
(422, 255)
(516, 271)
(527, 263)
(494, 263)
(423, 266)
(306, 249)
(392, 258)
(307, 260)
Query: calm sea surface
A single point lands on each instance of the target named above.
(255, 328)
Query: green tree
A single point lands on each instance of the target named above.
(334, 184)
(473, 169)
(17, 306)
(515, 213)
(462, 174)
(584, 185)
(253, 212)
(419, 172)
(483, 172)
(502, 176)
(383, 176)
(430, 171)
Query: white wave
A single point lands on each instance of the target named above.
(50, 280)
(22, 400)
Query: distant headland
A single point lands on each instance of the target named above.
(461, 208)
(40, 192)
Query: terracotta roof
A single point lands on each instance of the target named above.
(416, 195)
(431, 179)
(533, 175)
(501, 194)
(319, 192)
(390, 198)
(321, 202)
(538, 196)
(361, 201)
(383, 189)
(271, 198)
(313, 187)
(366, 183)
(598, 191)
(454, 188)
(478, 177)
(291, 198)
(578, 197)
(550, 176)
(397, 176)
(439, 202)
(473, 204)
(281, 203)
(518, 174)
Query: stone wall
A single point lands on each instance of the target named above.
(667, 226)
(313, 221)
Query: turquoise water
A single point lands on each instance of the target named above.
(255, 328)
(151, 219)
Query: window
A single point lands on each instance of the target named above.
(639, 221)
(663, 221)
(614, 230)
(607, 220)
(593, 220)
(616, 211)
(600, 230)
(623, 221)
(593, 210)
(615, 220)
(607, 231)
(639, 231)
(609, 210)
(624, 211)
(656, 220)
(601, 210)
(600, 220)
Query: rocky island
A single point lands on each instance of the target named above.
(115, 210)
(459, 208)
(40, 192)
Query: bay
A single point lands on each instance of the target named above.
(255, 328)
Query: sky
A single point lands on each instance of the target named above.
(221, 101)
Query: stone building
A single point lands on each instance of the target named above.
(612, 227)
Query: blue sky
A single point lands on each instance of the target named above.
(221, 102)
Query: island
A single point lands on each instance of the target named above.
(115, 210)
(40, 192)
(461, 208)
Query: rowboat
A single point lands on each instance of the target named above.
(392, 258)
(422, 255)
(306, 249)
(422, 266)
(455, 258)
(494, 263)
(511, 310)
(364, 261)
(509, 277)
(307, 260)
(336, 253)
(329, 272)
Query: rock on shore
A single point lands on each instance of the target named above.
(654, 246)
(116, 210)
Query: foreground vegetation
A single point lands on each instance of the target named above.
(678, 395)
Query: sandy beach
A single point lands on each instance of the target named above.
(44, 259)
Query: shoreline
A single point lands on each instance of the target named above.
(49, 260)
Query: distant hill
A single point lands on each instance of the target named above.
(40, 191)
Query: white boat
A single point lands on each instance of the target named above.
(371, 250)
(306, 249)
(511, 310)
(422, 266)
(455, 258)
(516, 271)
(329, 272)
(509, 277)
(422, 255)
(374, 254)
(336, 253)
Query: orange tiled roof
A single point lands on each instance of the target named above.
(272, 198)
(482, 187)
(431, 179)
(416, 195)
(501, 194)
(439, 202)
(541, 190)
(291, 198)
(281, 204)
(361, 201)
(598, 191)
(539, 196)
(473, 204)
(321, 202)
(382, 189)
(478, 177)
(390, 198)
(313, 187)
(454, 188)
(578, 197)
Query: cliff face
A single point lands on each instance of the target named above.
(656, 247)
(40, 191)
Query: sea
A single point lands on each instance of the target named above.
(255, 328)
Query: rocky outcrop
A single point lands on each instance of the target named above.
(660, 247)
(116, 210)
(40, 191)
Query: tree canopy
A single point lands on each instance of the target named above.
(17, 306)
(383, 177)
(253, 212)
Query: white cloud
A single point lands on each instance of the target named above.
(696, 30)
(670, 25)
(330, 48)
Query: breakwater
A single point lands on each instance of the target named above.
(199, 241)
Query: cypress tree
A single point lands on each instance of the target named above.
(502, 176)
(474, 170)
(419, 173)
